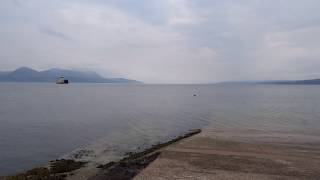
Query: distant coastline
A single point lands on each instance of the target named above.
(26, 74)
(280, 82)
(296, 82)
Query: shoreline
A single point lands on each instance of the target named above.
(215, 154)
(126, 168)
(130, 166)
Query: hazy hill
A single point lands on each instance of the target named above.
(25, 74)
(308, 81)
(292, 82)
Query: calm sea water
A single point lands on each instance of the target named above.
(41, 122)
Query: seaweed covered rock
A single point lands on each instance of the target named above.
(41, 173)
(126, 169)
(58, 171)
(65, 165)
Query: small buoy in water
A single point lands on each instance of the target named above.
(194, 95)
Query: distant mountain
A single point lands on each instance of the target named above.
(25, 74)
(292, 82)
(3, 73)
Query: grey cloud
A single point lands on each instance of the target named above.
(54, 33)
(169, 41)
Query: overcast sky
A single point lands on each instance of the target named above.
(165, 41)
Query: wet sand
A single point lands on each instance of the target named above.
(239, 154)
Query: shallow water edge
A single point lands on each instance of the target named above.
(126, 168)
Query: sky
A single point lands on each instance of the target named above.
(165, 41)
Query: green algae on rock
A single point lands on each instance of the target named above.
(58, 171)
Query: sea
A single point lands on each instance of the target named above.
(40, 122)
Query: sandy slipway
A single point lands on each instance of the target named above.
(239, 155)
(126, 168)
